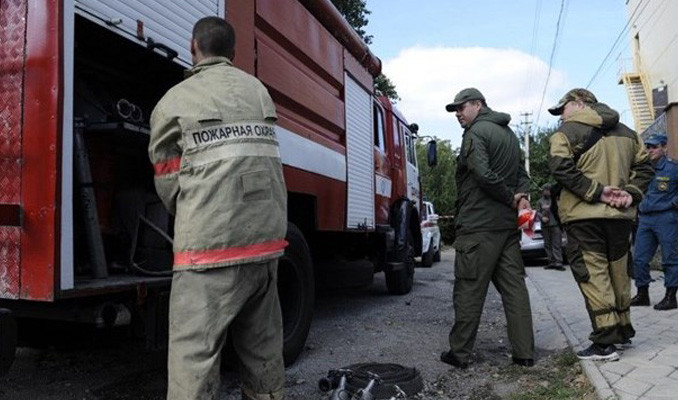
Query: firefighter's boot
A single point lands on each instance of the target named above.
(669, 301)
(642, 298)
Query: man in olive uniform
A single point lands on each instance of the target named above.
(491, 186)
(603, 169)
(218, 171)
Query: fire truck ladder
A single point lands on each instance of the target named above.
(641, 106)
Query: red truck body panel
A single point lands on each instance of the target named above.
(31, 77)
(305, 66)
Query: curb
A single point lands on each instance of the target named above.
(602, 386)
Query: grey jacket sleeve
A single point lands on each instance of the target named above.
(165, 152)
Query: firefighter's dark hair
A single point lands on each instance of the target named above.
(214, 37)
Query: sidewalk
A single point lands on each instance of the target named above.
(647, 369)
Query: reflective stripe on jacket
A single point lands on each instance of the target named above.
(217, 168)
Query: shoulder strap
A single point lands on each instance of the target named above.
(593, 138)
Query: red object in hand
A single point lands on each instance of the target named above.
(526, 220)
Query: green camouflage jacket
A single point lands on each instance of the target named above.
(489, 173)
(617, 159)
(217, 168)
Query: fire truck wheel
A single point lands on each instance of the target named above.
(7, 340)
(428, 257)
(401, 281)
(296, 288)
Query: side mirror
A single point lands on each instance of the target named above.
(432, 153)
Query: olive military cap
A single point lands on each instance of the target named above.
(464, 96)
(573, 95)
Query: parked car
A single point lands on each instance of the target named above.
(532, 245)
(430, 235)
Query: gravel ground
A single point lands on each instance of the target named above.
(350, 326)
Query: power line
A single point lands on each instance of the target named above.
(616, 42)
(553, 53)
(526, 123)
(640, 28)
(533, 45)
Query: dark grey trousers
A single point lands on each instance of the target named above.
(553, 244)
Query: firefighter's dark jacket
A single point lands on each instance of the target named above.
(489, 173)
(617, 159)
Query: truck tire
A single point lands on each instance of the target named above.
(428, 257)
(400, 281)
(8, 339)
(296, 289)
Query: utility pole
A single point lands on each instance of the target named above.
(526, 124)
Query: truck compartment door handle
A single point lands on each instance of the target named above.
(169, 52)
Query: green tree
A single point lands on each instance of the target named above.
(356, 12)
(438, 183)
(384, 87)
(539, 167)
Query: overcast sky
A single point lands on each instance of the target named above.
(431, 49)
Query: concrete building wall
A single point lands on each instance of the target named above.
(654, 38)
(654, 43)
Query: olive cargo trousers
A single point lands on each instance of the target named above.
(598, 253)
(203, 305)
(481, 258)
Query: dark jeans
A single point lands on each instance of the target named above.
(658, 229)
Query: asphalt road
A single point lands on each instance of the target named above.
(350, 326)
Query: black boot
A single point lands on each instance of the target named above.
(669, 301)
(642, 298)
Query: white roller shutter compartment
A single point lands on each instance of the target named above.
(167, 22)
(359, 156)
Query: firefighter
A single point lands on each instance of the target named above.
(603, 169)
(658, 225)
(218, 171)
(492, 185)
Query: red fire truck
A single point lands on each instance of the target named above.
(83, 236)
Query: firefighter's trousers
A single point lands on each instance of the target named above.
(203, 305)
(598, 250)
(481, 258)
